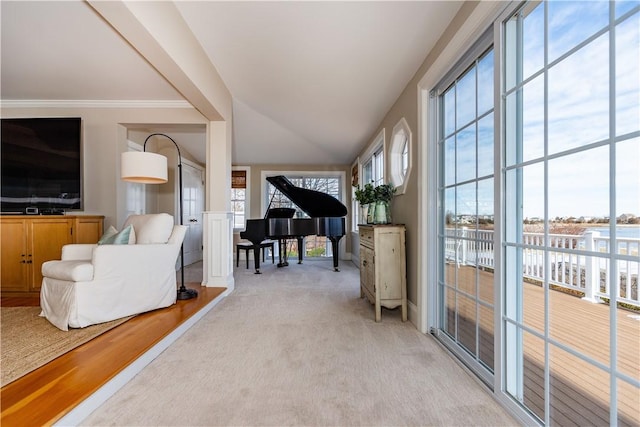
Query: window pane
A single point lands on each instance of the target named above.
(485, 333)
(485, 146)
(572, 22)
(378, 177)
(466, 154)
(579, 97)
(449, 111)
(533, 362)
(532, 188)
(449, 207)
(466, 99)
(533, 41)
(628, 185)
(367, 172)
(512, 147)
(570, 377)
(485, 83)
(624, 6)
(450, 161)
(627, 75)
(466, 318)
(405, 157)
(485, 204)
(533, 119)
(579, 185)
(466, 204)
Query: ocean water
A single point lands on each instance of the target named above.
(627, 231)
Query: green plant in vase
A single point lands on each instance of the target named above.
(366, 197)
(383, 195)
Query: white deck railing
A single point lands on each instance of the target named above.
(589, 274)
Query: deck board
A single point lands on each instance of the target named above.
(579, 391)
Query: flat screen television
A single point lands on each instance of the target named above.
(41, 165)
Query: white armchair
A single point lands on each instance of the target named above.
(98, 283)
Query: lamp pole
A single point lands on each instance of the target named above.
(183, 292)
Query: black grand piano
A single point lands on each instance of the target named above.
(326, 219)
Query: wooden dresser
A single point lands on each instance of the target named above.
(383, 277)
(27, 241)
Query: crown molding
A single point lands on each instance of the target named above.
(87, 103)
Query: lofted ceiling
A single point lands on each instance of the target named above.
(310, 81)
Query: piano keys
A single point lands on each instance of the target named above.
(326, 219)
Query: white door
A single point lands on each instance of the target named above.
(193, 200)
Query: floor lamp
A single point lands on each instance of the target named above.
(150, 168)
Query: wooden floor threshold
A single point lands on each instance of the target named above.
(69, 388)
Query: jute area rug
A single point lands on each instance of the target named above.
(29, 341)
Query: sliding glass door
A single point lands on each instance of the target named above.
(570, 103)
(465, 238)
(539, 218)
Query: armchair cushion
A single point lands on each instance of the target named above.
(151, 228)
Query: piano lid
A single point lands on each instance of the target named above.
(314, 203)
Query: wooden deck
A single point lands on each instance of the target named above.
(579, 390)
(47, 394)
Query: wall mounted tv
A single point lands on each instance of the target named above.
(41, 165)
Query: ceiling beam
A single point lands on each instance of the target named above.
(160, 34)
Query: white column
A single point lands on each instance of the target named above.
(217, 265)
(218, 250)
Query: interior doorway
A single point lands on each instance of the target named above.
(193, 206)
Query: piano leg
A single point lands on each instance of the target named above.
(300, 248)
(256, 257)
(282, 249)
(334, 249)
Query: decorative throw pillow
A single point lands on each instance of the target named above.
(111, 231)
(114, 237)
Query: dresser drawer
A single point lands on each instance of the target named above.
(366, 236)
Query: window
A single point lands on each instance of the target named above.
(239, 197)
(373, 167)
(400, 155)
(328, 183)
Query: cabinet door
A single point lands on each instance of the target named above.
(13, 255)
(389, 267)
(87, 229)
(367, 269)
(47, 238)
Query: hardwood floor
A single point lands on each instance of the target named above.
(47, 394)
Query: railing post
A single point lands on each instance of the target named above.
(591, 268)
(465, 245)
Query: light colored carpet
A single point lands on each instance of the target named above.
(297, 346)
(29, 341)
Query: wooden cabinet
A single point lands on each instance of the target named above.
(383, 277)
(26, 242)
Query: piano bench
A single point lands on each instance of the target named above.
(248, 248)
